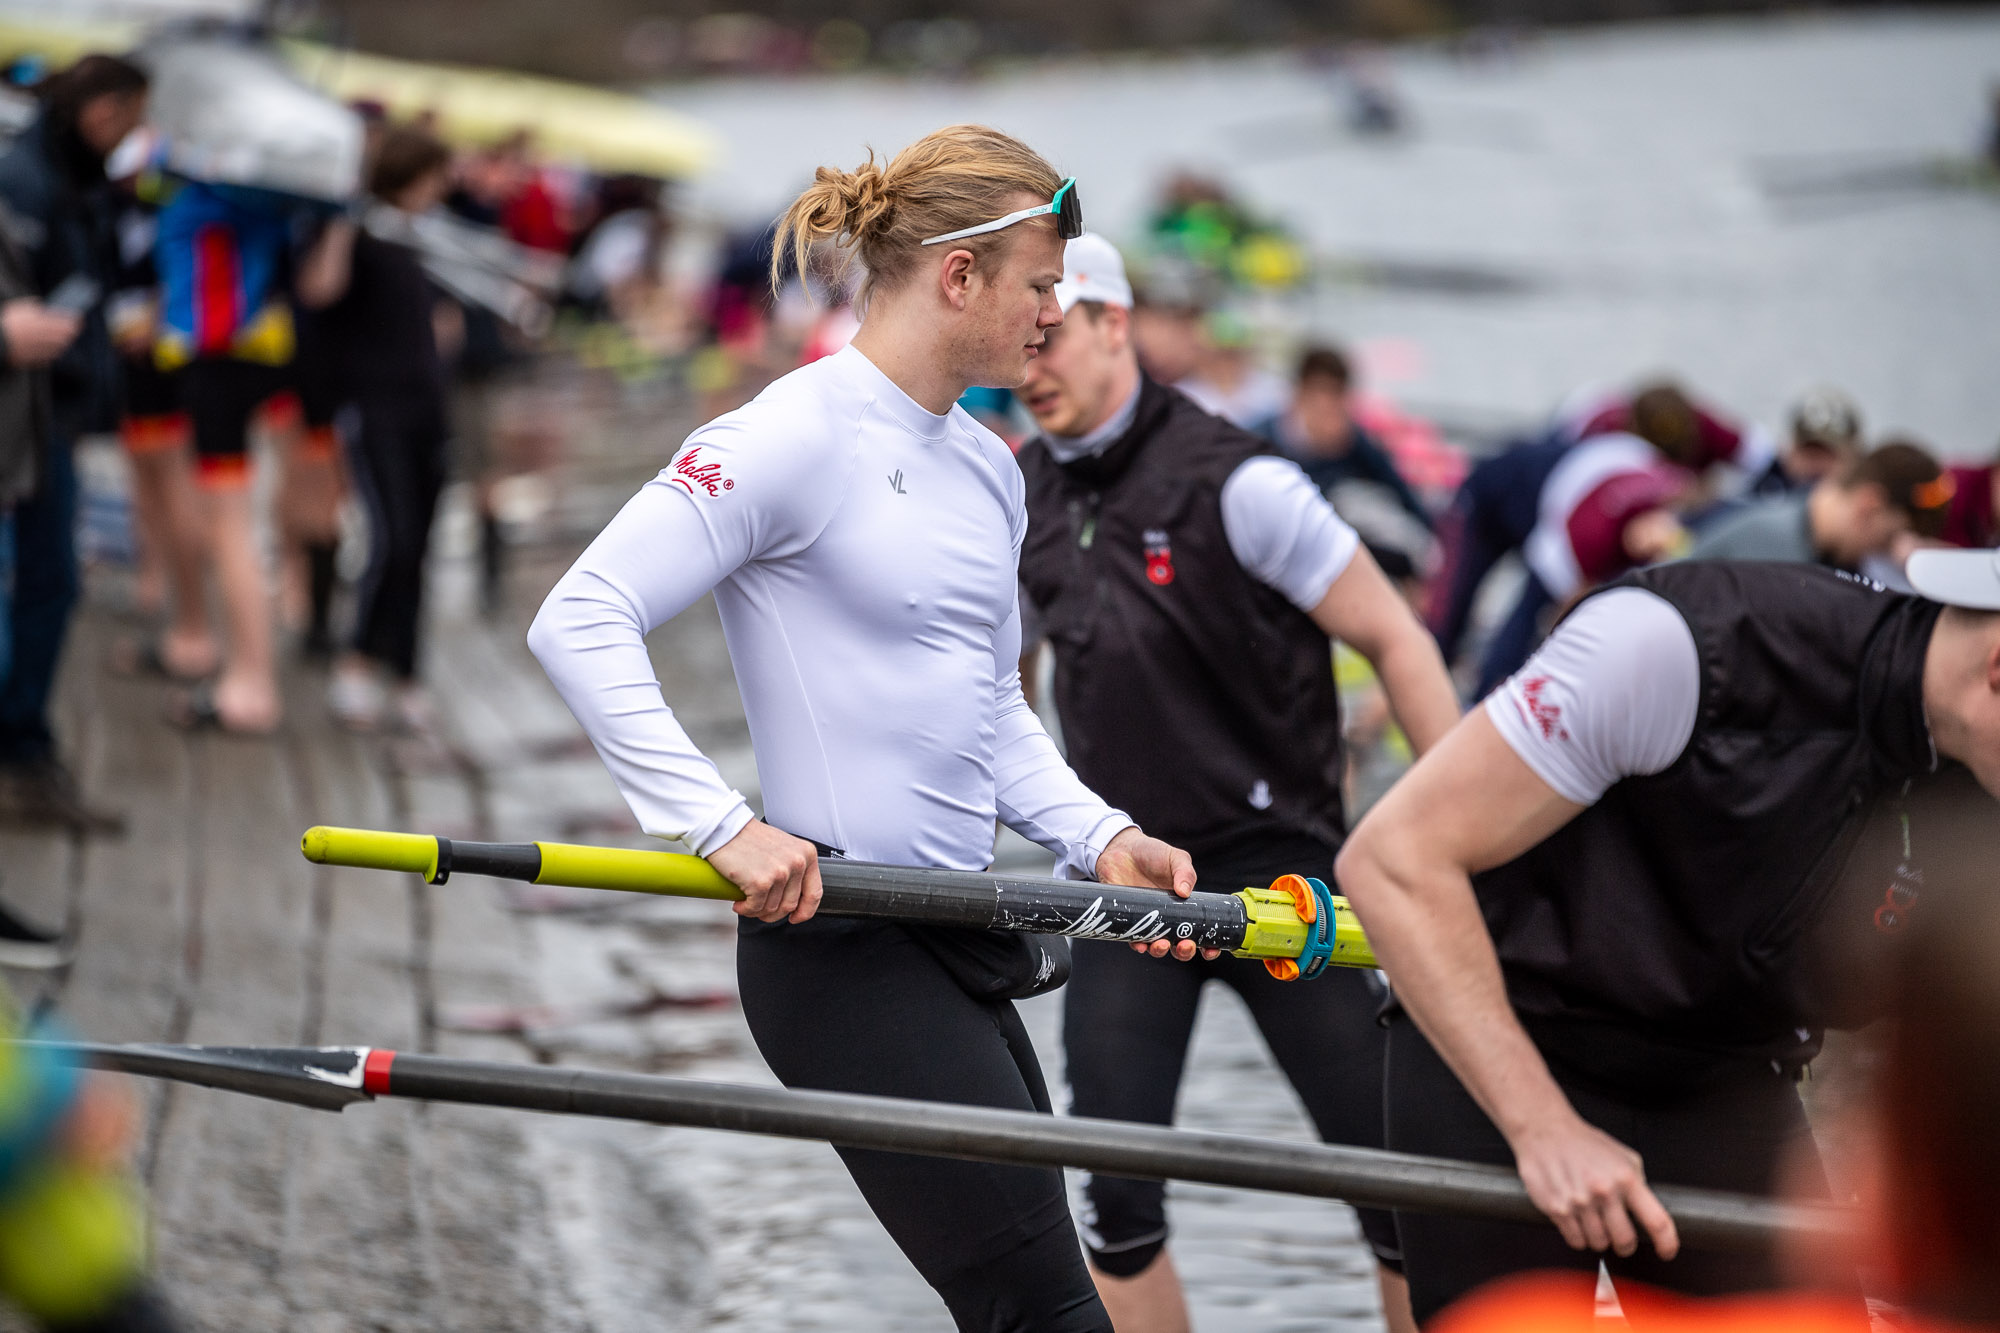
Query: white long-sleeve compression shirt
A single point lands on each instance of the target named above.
(863, 554)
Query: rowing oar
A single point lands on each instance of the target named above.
(1296, 925)
(330, 1077)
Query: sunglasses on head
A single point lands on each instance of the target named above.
(1068, 214)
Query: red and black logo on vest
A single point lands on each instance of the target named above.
(1159, 557)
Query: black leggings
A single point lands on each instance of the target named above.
(1127, 1020)
(862, 1006)
(398, 461)
(1726, 1128)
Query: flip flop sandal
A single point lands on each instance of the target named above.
(194, 710)
(136, 658)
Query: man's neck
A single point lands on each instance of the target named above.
(908, 354)
(1335, 445)
(1823, 503)
(1941, 656)
(1110, 425)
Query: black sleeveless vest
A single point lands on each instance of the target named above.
(1733, 900)
(1193, 697)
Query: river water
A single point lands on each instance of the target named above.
(1749, 204)
(1741, 202)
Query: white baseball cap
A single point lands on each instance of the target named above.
(1093, 271)
(1970, 579)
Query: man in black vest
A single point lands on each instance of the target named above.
(1621, 900)
(1189, 580)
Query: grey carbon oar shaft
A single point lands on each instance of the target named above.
(331, 1077)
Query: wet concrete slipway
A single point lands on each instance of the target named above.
(1615, 173)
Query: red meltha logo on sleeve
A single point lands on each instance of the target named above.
(696, 477)
(1546, 716)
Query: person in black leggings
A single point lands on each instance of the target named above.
(860, 536)
(1018, 1269)
(1188, 581)
(1125, 1041)
(374, 322)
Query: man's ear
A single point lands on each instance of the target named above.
(955, 278)
(1118, 327)
(1993, 660)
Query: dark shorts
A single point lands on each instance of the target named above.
(150, 391)
(862, 1006)
(1127, 1020)
(223, 396)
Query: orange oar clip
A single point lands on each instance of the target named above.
(1307, 903)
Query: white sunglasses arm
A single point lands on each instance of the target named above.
(994, 225)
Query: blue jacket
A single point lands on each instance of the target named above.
(1365, 460)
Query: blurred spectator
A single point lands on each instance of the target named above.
(223, 255)
(1826, 437)
(1609, 505)
(379, 318)
(1742, 457)
(1321, 434)
(32, 335)
(72, 1218)
(1501, 501)
(1201, 226)
(486, 180)
(311, 490)
(1843, 520)
(1373, 105)
(156, 434)
(1167, 335)
(58, 214)
(1199, 221)
(534, 216)
(1970, 517)
(620, 258)
(741, 303)
(1228, 382)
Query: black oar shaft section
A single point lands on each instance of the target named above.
(1039, 906)
(330, 1077)
(852, 888)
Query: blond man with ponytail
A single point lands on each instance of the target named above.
(861, 535)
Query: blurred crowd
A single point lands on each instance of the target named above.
(349, 347)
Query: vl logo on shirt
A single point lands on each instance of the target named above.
(1159, 557)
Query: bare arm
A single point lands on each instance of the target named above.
(328, 266)
(1363, 609)
(1468, 805)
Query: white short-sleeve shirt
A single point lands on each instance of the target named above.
(1611, 694)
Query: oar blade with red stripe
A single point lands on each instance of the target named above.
(324, 1077)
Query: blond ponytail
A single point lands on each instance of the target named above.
(951, 178)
